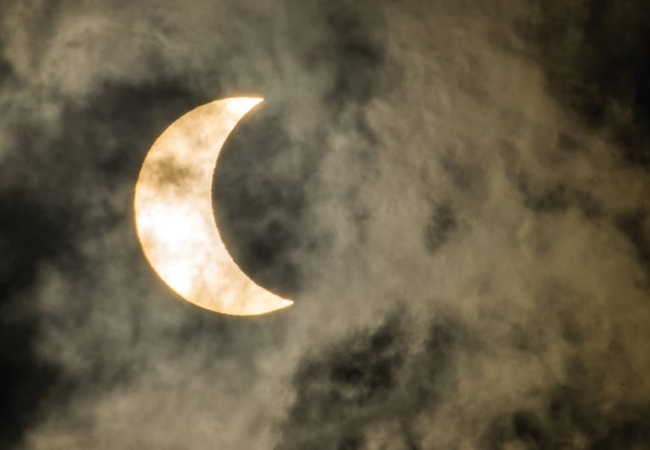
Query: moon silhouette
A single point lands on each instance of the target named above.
(175, 221)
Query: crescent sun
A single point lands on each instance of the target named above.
(174, 217)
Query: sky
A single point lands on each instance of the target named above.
(455, 193)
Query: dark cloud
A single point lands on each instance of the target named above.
(29, 234)
(466, 175)
(351, 50)
(344, 389)
(636, 228)
(558, 198)
(595, 58)
(375, 382)
(441, 224)
(570, 420)
(383, 389)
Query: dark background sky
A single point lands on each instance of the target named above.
(455, 193)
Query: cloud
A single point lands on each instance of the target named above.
(466, 247)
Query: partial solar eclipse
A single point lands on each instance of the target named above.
(174, 217)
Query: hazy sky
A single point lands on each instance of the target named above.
(455, 193)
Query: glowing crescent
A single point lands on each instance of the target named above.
(175, 220)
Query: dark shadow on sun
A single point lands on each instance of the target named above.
(258, 208)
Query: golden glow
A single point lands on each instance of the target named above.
(175, 220)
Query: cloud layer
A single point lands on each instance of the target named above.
(455, 194)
